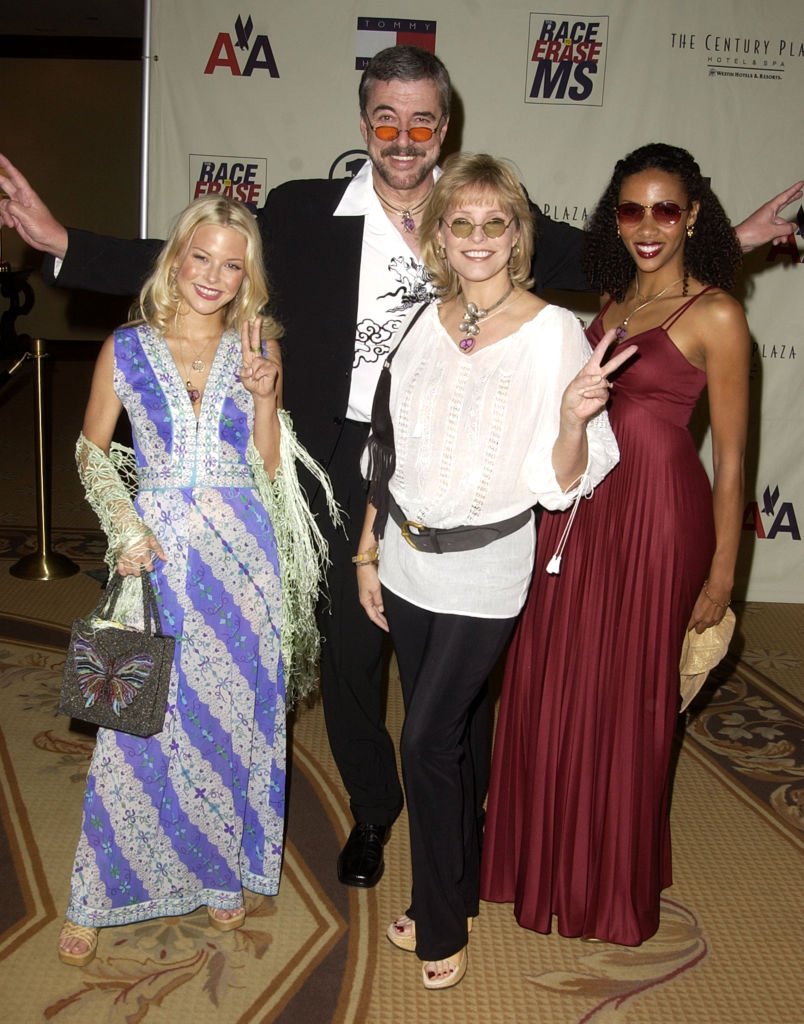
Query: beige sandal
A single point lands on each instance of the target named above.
(447, 972)
(226, 924)
(402, 932)
(70, 930)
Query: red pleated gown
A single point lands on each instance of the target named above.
(578, 813)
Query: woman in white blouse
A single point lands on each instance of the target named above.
(495, 404)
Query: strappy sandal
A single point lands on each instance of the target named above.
(226, 924)
(445, 973)
(71, 930)
(402, 932)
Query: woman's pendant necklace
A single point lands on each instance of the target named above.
(621, 331)
(470, 325)
(198, 366)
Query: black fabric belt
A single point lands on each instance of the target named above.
(459, 538)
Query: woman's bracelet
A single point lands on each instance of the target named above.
(370, 556)
(718, 604)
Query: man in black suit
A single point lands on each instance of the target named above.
(344, 270)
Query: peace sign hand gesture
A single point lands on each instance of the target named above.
(261, 369)
(588, 392)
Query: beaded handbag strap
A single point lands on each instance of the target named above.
(150, 610)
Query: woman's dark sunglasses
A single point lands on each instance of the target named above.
(666, 214)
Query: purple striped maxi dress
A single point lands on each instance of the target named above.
(189, 816)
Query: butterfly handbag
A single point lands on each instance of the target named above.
(117, 676)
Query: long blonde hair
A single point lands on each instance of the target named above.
(159, 298)
(476, 177)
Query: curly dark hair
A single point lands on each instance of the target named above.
(713, 253)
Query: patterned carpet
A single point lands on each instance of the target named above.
(750, 733)
(727, 948)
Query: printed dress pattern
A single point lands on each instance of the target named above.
(189, 816)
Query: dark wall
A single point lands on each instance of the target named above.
(73, 128)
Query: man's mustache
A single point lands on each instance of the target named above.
(402, 151)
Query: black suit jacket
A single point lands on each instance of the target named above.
(313, 262)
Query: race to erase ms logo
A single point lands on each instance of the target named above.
(242, 54)
(243, 178)
(566, 59)
(772, 518)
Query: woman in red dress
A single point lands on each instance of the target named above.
(577, 823)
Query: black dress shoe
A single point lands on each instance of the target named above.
(361, 860)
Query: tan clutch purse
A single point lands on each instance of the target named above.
(700, 653)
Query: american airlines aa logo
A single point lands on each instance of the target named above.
(254, 55)
(780, 517)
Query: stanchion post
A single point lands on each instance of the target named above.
(44, 563)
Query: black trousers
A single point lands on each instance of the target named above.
(353, 687)
(444, 661)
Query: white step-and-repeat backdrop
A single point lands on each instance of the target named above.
(245, 96)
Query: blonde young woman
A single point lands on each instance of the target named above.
(193, 815)
(494, 405)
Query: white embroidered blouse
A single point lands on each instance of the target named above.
(474, 437)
